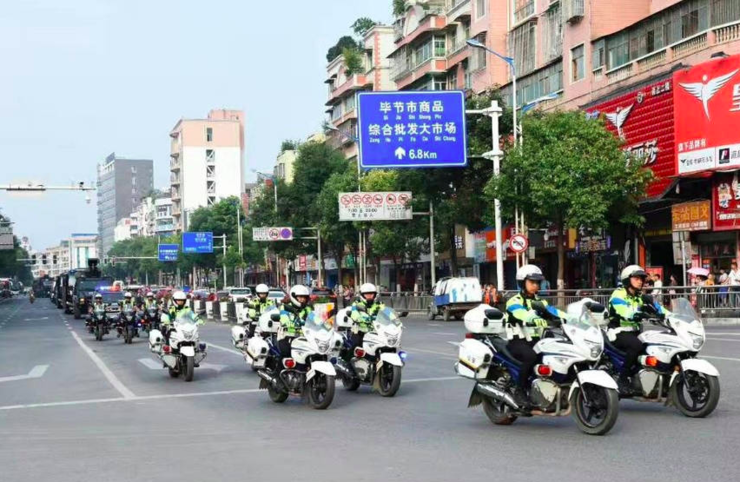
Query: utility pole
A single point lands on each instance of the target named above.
(223, 246)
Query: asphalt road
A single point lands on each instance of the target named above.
(79, 410)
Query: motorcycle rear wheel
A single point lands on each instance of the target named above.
(173, 373)
(350, 384)
(496, 413)
(277, 396)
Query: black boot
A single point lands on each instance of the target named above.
(624, 385)
(522, 399)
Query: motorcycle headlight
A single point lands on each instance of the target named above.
(323, 345)
(187, 333)
(595, 348)
(697, 341)
(393, 340)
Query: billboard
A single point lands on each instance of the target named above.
(412, 129)
(726, 201)
(707, 112)
(197, 243)
(6, 238)
(644, 118)
(375, 206)
(693, 216)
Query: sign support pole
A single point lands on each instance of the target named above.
(432, 253)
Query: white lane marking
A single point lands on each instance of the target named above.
(151, 364)
(454, 343)
(433, 324)
(212, 366)
(122, 389)
(36, 319)
(724, 339)
(420, 350)
(712, 333)
(36, 372)
(443, 333)
(223, 348)
(720, 358)
(180, 395)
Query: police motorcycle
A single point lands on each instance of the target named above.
(565, 381)
(98, 321)
(307, 372)
(185, 351)
(128, 324)
(150, 319)
(379, 361)
(668, 371)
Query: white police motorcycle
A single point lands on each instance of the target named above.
(185, 351)
(668, 370)
(563, 382)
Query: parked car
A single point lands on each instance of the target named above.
(239, 295)
(277, 295)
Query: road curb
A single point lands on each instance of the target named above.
(722, 321)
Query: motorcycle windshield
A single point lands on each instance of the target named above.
(187, 318)
(683, 309)
(388, 317)
(318, 323)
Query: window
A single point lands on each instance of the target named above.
(552, 37)
(453, 40)
(452, 79)
(423, 53)
(690, 23)
(522, 9)
(209, 134)
(479, 56)
(577, 67)
(210, 156)
(597, 55)
(618, 50)
(349, 104)
(480, 8)
(439, 46)
(522, 47)
(439, 84)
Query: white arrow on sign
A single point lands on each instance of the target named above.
(36, 372)
(400, 153)
(155, 365)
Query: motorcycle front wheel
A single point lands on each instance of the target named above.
(127, 336)
(695, 394)
(189, 368)
(321, 391)
(98, 333)
(389, 379)
(173, 373)
(597, 411)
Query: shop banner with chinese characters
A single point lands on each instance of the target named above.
(707, 111)
(726, 201)
(693, 216)
(643, 118)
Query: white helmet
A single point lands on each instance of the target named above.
(529, 271)
(179, 296)
(295, 292)
(262, 288)
(150, 295)
(368, 288)
(128, 295)
(632, 271)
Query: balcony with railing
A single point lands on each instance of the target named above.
(701, 41)
(353, 83)
(573, 10)
(456, 9)
(523, 9)
(175, 164)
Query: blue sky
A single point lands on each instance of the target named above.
(83, 78)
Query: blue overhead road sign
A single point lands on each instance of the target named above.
(412, 129)
(168, 252)
(198, 243)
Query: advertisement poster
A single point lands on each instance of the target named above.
(726, 201)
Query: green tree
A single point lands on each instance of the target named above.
(289, 145)
(399, 7)
(572, 171)
(343, 43)
(353, 61)
(362, 25)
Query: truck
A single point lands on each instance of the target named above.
(83, 285)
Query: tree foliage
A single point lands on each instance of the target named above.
(353, 61)
(345, 42)
(572, 171)
(399, 7)
(10, 267)
(363, 25)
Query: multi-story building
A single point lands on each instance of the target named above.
(82, 246)
(71, 253)
(343, 85)
(284, 165)
(122, 183)
(164, 223)
(206, 162)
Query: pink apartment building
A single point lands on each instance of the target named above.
(206, 162)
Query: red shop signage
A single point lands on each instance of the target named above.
(726, 201)
(707, 111)
(644, 119)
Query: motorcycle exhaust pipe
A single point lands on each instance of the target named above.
(497, 394)
(266, 377)
(343, 369)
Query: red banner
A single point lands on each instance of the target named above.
(726, 201)
(644, 119)
(707, 111)
(302, 262)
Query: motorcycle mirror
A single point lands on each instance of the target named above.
(594, 307)
(275, 317)
(647, 299)
(346, 319)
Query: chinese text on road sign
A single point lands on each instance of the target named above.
(272, 234)
(412, 129)
(168, 252)
(374, 206)
(198, 243)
